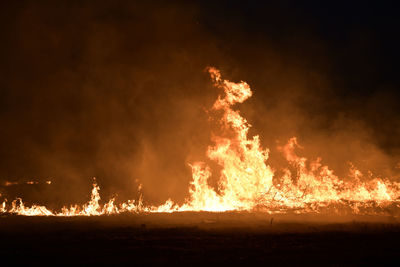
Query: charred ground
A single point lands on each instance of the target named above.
(199, 238)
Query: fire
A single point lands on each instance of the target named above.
(247, 182)
(8, 183)
(245, 175)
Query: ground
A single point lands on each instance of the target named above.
(197, 238)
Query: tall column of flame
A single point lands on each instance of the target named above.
(244, 176)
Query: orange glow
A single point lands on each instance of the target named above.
(246, 181)
(7, 183)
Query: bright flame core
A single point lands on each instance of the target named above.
(246, 181)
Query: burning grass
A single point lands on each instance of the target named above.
(247, 182)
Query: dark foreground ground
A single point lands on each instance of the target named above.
(197, 238)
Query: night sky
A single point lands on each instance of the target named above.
(117, 89)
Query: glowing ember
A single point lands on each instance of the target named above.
(7, 183)
(246, 181)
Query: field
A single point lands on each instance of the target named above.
(197, 238)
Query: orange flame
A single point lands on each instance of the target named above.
(246, 181)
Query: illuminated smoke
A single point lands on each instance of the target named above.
(246, 181)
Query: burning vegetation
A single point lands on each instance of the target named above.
(246, 181)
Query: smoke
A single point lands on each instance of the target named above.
(117, 91)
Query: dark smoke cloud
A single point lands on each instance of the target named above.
(117, 90)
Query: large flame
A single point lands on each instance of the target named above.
(246, 181)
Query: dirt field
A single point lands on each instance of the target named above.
(198, 238)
